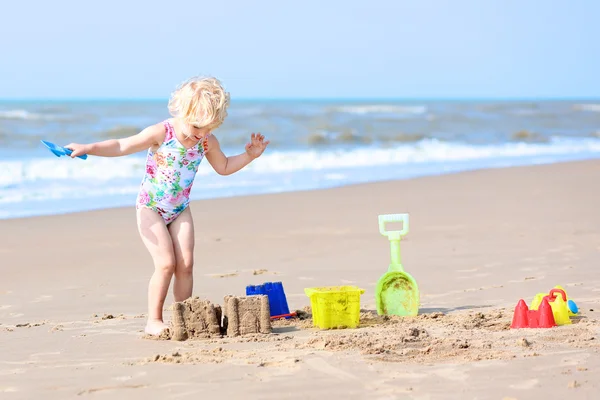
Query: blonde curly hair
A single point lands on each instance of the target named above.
(200, 101)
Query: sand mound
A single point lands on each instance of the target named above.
(427, 338)
(470, 336)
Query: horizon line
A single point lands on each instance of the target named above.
(310, 99)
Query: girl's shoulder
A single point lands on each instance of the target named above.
(159, 133)
(169, 129)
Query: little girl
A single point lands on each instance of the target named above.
(176, 147)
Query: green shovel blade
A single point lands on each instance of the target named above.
(397, 293)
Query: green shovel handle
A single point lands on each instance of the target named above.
(394, 237)
(387, 218)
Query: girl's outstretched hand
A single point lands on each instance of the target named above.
(78, 149)
(257, 145)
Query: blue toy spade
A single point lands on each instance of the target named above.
(60, 151)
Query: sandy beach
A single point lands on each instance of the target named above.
(73, 294)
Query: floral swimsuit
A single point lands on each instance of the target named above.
(170, 173)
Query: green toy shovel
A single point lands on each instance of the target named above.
(397, 292)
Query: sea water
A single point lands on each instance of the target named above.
(314, 144)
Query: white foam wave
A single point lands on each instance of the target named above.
(99, 169)
(381, 109)
(428, 150)
(27, 116)
(52, 185)
(587, 107)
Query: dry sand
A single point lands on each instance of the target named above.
(73, 294)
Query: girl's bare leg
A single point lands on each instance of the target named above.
(157, 239)
(182, 235)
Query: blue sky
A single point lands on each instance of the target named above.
(315, 49)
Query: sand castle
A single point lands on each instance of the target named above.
(200, 319)
(247, 315)
(195, 318)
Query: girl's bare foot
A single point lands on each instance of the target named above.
(155, 327)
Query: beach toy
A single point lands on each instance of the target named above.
(559, 305)
(277, 300)
(335, 307)
(60, 151)
(397, 292)
(571, 305)
(573, 309)
(526, 318)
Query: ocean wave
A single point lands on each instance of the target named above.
(425, 151)
(347, 136)
(118, 132)
(50, 185)
(528, 136)
(28, 116)
(23, 141)
(502, 107)
(587, 107)
(381, 109)
(15, 172)
(100, 169)
(351, 136)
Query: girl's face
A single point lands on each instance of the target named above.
(198, 133)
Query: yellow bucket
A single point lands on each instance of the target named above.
(558, 301)
(335, 307)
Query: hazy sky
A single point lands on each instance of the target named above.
(327, 48)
